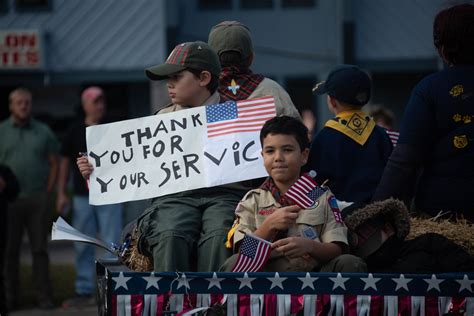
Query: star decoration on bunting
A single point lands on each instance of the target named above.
(466, 284)
(215, 281)
(402, 282)
(277, 281)
(370, 282)
(183, 281)
(308, 281)
(245, 281)
(121, 281)
(339, 282)
(433, 283)
(152, 281)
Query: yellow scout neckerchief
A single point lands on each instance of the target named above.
(355, 124)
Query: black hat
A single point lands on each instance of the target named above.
(346, 83)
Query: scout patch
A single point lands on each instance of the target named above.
(265, 212)
(456, 91)
(233, 87)
(354, 124)
(460, 141)
(335, 209)
(309, 232)
(237, 83)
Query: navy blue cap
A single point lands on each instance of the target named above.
(346, 83)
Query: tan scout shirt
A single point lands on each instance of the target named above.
(317, 223)
(283, 103)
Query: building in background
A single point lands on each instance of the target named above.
(81, 43)
(297, 42)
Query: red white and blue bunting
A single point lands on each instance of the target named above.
(133, 293)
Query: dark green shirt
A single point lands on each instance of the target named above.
(25, 149)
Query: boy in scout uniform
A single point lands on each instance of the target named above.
(232, 42)
(189, 226)
(351, 150)
(303, 239)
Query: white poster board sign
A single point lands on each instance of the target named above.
(174, 152)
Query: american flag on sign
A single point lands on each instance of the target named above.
(253, 254)
(304, 192)
(237, 117)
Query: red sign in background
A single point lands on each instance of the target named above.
(20, 50)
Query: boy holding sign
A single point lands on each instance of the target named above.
(306, 236)
(189, 226)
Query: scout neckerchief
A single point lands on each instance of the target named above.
(236, 83)
(354, 124)
(267, 185)
(270, 186)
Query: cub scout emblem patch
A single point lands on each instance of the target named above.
(309, 233)
(456, 91)
(460, 141)
(357, 124)
(335, 209)
(233, 87)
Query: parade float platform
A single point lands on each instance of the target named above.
(124, 292)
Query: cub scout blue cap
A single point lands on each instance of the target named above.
(346, 83)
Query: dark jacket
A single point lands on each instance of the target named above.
(11, 187)
(427, 253)
(435, 150)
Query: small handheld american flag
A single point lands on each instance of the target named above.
(253, 254)
(305, 191)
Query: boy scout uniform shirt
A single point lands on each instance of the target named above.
(316, 223)
(283, 103)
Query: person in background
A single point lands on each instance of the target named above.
(435, 150)
(88, 219)
(29, 148)
(382, 116)
(309, 120)
(232, 42)
(9, 189)
(385, 118)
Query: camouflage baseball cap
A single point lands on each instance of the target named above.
(194, 55)
(231, 36)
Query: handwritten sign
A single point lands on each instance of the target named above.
(174, 152)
